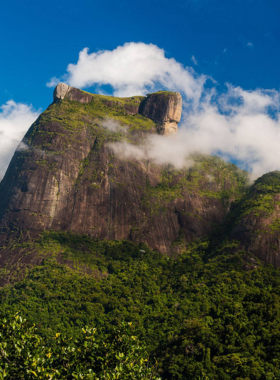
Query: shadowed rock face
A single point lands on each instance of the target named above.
(69, 179)
(165, 109)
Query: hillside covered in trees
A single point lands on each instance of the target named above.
(204, 315)
(126, 269)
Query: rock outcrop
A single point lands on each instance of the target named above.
(70, 179)
(165, 108)
(62, 90)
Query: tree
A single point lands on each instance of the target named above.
(117, 355)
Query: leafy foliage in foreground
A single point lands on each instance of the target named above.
(24, 354)
(201, 316)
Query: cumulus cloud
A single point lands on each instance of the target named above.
(133, 69)
(243, 127)
(15, 119)
(239, 125)
(53, 82)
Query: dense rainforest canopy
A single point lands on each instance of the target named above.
(205, 315)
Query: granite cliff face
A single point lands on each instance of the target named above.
(69, 179)
(164, 108)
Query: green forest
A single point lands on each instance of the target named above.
(209, 314)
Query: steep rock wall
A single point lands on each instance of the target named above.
(165, 108)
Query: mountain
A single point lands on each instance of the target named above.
(92, 236)
(65, 176)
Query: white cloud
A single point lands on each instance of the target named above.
(194, 60)
(238, 124)
(250, 45)
(246, 132)
(160, 149)
(22, 146)
(248, 136)
(15, 119)
(133, 69)
(53, 82)
(113, 125)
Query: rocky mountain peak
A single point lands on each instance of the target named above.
(60, 91)
(163, 107)
(63, 90)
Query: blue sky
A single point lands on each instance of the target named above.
(223, 56)
(39, 39)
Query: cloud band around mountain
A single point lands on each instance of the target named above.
(239, 125)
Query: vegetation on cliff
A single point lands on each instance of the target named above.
(260, 200)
